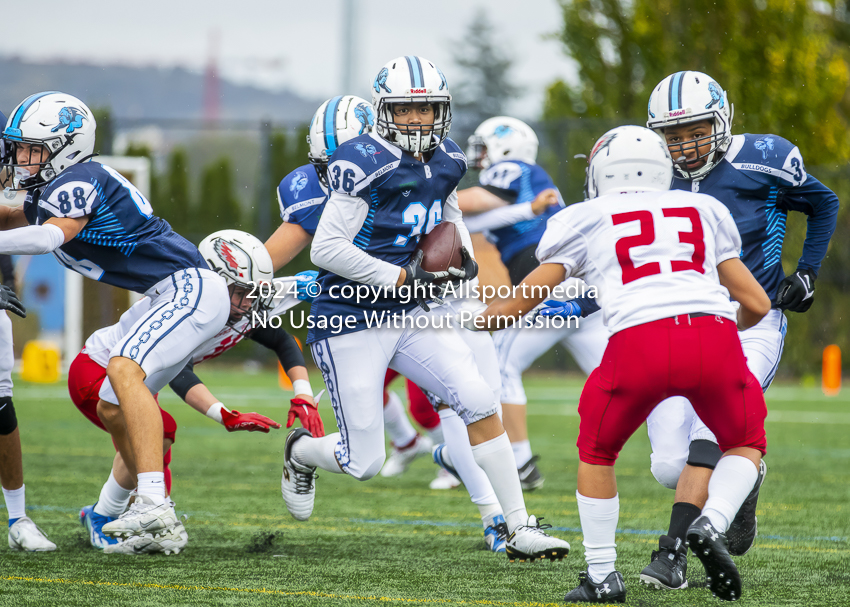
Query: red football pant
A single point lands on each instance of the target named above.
(698, 358)
(421, 409)
(84, 380)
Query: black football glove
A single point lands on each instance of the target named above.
(469, 269)
(420, 280)
(796, 292)
(9, 301)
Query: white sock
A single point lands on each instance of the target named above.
(460, 458)
(489, 512)
(16, 502)
(152, 485)
(436, 434)
(113, 498)
(497, 460)
(730, 484)
(598, 525)
(522, 452)
(396, 424)
(318, 452)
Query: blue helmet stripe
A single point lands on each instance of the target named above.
(27, 103)
(675, 93)
(410, 69)
(331, 141)
(420, 77)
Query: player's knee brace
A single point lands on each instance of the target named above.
(704, 454)
(8, 419)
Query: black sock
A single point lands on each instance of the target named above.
(682, 516)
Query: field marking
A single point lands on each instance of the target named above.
(321, 595)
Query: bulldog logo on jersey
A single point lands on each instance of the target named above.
(764, 145)
(381, 81)
(70, 119)
(236, 259)
(365, 115)
(367, 151)
(298, 183)
(716, 95)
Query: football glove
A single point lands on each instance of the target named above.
(9, 301)
(469, 269)
(307, 287)
(796, 292)
(252, 422)
(308, 415)
(564, 309)
(420, 280)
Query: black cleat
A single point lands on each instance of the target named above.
(669, 565)
(610, 590)
(529, 475)
(710, 547)
(744, 528)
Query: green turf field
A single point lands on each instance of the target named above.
(393, 541)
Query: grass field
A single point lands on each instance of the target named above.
(393, 541)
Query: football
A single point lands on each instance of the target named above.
(441, 247)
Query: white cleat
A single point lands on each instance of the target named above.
(170, 540)
(444, 480)
(530, 542)
(25, 535)
(143, 517)
(297, 484)
(400, 459)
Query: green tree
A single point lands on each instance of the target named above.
(173, 203)
(143, 151)
(218, 208)
(484, 87)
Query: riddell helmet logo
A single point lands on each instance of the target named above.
(677, 113)
(231, 254)
(418, 91)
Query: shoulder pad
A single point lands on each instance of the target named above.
(73, 193)
(453, 150)
(769, 159)
(502, 174)
(360, 161)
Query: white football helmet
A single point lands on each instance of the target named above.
(336, 121)
(61, 123)
(412, 79)
(686, 97)
(628, 159)
(502, 138)
(244, 262)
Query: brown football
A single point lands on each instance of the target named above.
(441, 247)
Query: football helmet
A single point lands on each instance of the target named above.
(243, 261)
(336, 121)
(628, 159)
(412, 79)
(686, 97)
(60, 124)
(502, 138)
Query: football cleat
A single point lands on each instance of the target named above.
(710, 547)
(94, 522)
(143, 517)
(529, 475)
(25, 535)
(400, 459)
(170, 540)
(744, 528)
(530, 542)
(610, 590)
(444, 480)
(669, 565)
(437, 455)
(297, 484)
(496, 535)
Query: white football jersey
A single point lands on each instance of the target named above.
(651, 255)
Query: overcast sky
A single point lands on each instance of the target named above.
(296, 45)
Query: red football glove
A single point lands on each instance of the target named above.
(252, 422)
(308, 415)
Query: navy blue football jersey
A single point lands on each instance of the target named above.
(123, 244)
(517, 182)
(302, 198)
(760, 179)
(406, 199)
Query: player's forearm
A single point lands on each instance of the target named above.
(287, 241)
(746, 290)
(819, 230)
(499, 218)
(478, 200)
(343, 258)
(32, 240)
(200, 398)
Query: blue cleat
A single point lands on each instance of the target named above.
(437, 454)
(496, 535)
(94, 523)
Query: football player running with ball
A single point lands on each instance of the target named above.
(388, 188)
(759, 178)
(667, 262)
